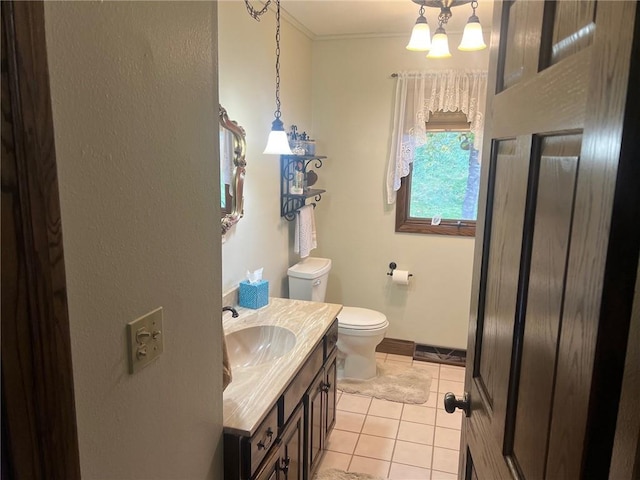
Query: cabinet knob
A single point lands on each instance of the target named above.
(284, 465)
(325, 387)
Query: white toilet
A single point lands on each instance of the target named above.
(360, 330)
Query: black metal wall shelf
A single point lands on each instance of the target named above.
(290, 203)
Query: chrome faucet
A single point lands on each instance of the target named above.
(233, 311)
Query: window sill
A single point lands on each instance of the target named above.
(447, 227)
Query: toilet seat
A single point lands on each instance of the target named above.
(361, 321)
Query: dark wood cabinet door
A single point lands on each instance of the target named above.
(291, 462)
(270, 468)
(557, 242)
(330, 380)
(315, 422)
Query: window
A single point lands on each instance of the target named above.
(440, 194)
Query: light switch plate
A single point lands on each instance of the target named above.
(144, 338)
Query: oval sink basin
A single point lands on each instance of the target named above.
(256, 345)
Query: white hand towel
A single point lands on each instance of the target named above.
(305, 233)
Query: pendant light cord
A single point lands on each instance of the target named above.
(256, 14)
(277, 112)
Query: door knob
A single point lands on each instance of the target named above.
(451, 403)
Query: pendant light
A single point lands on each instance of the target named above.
(277, 144)
(420, 40)
(472, 37)
(439, 44)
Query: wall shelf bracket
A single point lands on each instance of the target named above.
(290, 165)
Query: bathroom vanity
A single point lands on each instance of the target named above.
(278, 413)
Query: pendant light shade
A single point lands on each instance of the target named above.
(277, 143)
(472, 37)
(420, 40)
(439, 45)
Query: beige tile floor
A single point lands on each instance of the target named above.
(397, 440)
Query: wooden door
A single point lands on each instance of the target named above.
(557, 241)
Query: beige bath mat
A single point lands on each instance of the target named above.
(396, 383)
(334, 474)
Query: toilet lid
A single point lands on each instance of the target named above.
(360, 318)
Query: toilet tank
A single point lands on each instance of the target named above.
(308, 279)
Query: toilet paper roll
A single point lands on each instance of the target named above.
(401, 277)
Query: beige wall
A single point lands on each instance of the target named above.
(344, 87)
(247, 91)
(352, 119)
(135, 106)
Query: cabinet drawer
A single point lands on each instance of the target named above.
(292, 396)
(261, 441)
(330, 339)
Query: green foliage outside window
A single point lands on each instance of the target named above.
(445, 177)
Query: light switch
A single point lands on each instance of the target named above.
(144, 336)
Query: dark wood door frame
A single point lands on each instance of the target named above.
(39, 436)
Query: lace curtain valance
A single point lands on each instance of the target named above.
(417, 96)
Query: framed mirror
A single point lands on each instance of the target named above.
(233, 146)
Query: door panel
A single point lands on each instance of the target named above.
(509, 171)
(573, 27)
(554, 208)
(520, 57)
(544, 372)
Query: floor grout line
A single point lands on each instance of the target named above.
(435, 420)
(435, 382)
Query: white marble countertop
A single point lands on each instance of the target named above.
(254, 390)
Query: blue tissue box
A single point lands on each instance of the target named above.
(253, 295)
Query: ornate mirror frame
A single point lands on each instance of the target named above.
(236, 210)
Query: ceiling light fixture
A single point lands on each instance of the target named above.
(277, 143)
(438, 47)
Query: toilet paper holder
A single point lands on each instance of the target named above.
(393, 266)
